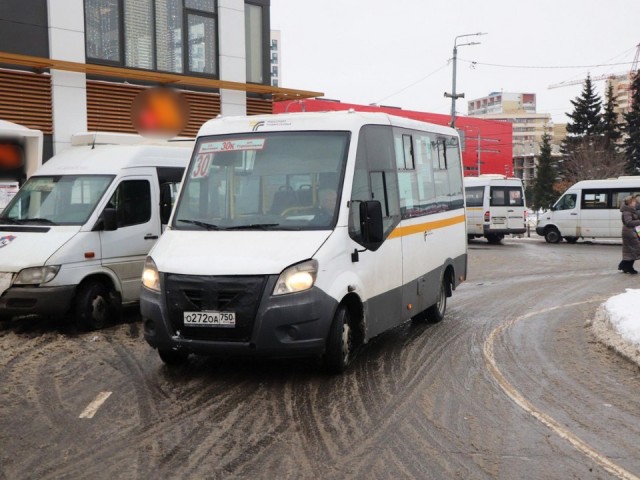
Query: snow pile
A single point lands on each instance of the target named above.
(624, 314)
(617, 324)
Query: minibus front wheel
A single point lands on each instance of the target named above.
(339, 349)
(552, 235)
(94, 305)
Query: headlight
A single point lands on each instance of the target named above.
(150, 275)
(297, 278)
(36, 275)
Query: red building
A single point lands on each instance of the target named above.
(484, 142)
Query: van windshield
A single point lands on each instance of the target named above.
(56, 200)
(263, 181)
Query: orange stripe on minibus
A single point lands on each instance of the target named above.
(421, 227)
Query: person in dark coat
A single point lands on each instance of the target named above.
(630, 240)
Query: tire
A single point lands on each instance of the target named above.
(435, 313)
(494, 239)
(339, 350)
(173, 357)
(93, 307)
(571, 239)
(552, 235)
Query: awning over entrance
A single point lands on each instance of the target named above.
(278, 93)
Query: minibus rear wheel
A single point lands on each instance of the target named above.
(435, 313)
(339, 348)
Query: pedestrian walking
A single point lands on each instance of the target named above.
(630, 239)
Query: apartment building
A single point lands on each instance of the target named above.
(518, 109)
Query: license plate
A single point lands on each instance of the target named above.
(5, 281)
(210, 319)
(498, 220)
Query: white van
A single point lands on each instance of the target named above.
(588, 209)
(75, 236)
(307, 234)
(495, 207)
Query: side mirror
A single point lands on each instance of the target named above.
(109, 220)
(552, 208)
(371, 224)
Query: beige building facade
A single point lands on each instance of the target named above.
(519, 109)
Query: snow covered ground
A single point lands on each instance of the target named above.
(617, 324)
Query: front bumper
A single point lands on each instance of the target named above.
(55, 301)
(293, 325)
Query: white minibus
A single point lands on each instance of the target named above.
(588, 209)
(307, 234)
(495, 207)
(75, 237)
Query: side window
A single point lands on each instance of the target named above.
(594, 199)
(474, 196)
(375, 177)
(132, 201)
(567, 202)
(168, 192)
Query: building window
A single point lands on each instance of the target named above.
(254, 33)
(177, 36)
(103, 30)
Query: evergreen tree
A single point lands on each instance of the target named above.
(632, 129)
(543, 194)
(610, 126)
(586, 118)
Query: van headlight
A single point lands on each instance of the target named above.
(297, 278)
(36, 275)
(150, 275)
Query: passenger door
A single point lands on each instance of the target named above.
(124, 250)
(567, 215)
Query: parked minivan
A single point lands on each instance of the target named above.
(75, 236)
(495, 207)
(588, 209)
(307, 234)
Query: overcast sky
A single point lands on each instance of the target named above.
(398, 52)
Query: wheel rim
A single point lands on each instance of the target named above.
(346, 342)
(442, 300)
(98, 310)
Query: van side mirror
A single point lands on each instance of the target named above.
(371, 224)
(109, 220)
(552, 208)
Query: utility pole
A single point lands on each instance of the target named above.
(453, 95)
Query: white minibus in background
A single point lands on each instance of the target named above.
(588, 209)
(75, 237)
(307, 234)
(495, 207)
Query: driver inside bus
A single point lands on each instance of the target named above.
(327, 202)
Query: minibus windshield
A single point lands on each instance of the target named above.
(263, 181)
(56, 200)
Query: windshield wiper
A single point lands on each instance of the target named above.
(253, 226)
(44, 221)
(205, 225)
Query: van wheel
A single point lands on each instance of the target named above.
(435, 313)
(92, 306)
(571, 239)
(172, 357)
(552, 235)
(494, 239)
(339, 349)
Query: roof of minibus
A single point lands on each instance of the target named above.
(620, 182)
(491, 180)
(347, 120)
(111, 159)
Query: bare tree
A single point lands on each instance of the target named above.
(590, 160)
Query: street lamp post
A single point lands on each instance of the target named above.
(453, 95)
